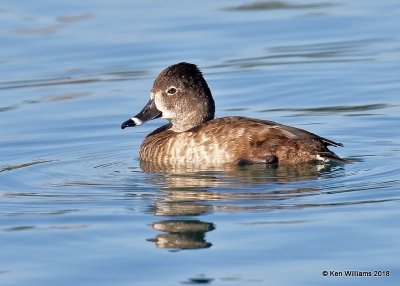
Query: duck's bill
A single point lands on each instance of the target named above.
(148, 112)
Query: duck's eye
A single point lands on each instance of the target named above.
(171, 90)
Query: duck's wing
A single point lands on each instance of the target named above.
(297, 133)
(289, 144)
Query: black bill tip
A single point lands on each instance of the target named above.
(128, 123)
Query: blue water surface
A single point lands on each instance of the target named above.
(76, 206)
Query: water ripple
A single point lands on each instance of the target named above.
(335, 109)
(323, 52)
(12, 167)
(274, 5)
(111, 76)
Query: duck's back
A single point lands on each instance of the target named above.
(236, 139)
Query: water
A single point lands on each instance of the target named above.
(77, 208)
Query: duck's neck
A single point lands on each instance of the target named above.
(189, 121)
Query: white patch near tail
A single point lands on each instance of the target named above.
(320, 158)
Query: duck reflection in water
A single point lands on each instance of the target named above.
(190, 192)
(195, 175)
(182, 234)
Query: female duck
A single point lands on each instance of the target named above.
(181, 95)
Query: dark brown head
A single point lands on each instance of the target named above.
(179, 94)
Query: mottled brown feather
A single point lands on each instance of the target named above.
(229, 139)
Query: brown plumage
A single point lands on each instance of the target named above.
(181, 95)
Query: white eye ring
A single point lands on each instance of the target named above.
(172, 90)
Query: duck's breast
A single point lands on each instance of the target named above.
(222, 140)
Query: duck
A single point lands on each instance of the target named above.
(181, 95)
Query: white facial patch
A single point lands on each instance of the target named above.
(137, 120)
(166, 114)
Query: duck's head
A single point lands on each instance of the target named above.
(181, 95)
